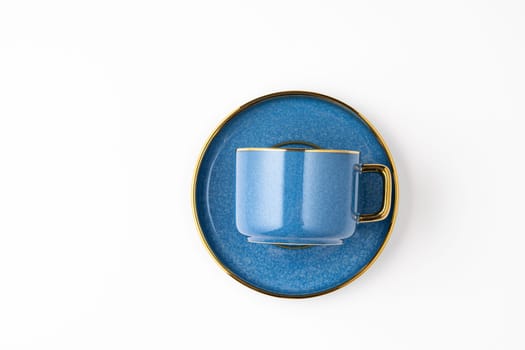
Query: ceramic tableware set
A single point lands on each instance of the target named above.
(295, 194)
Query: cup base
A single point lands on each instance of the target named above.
(294, 241)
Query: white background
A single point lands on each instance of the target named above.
(105, 105)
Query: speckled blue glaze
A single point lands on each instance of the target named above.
(294, 197)
(269, 268)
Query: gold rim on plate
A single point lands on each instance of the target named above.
(322, 97)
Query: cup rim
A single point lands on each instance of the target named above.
(307, 150)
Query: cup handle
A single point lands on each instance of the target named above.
(387, 198)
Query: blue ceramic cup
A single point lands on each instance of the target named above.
(302, 196)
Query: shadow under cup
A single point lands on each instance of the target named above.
(296, 196)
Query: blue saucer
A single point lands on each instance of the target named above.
(290, 117)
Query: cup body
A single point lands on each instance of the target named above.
(296, 197)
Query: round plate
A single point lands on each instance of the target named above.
(290, 117)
